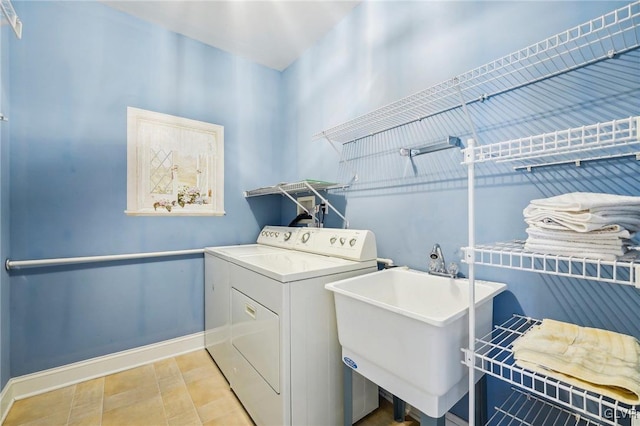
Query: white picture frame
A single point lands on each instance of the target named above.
(175, 165)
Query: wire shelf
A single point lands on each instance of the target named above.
(521, 408)
(601, 140)
(493, 356)
(599, 39)
(512, 255)
(11, 16)
(293, 188)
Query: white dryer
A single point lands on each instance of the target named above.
(271, 325)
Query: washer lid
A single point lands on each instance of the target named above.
(231, 252)
(289, 265)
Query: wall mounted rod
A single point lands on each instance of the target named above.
(17, 264)
(450, 142)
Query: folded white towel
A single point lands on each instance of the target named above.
(580, 252)
(533, 212)
(585, 212)
(580, 222)
(596, 360)
(567, 235)
(579, 201)
(581, 245)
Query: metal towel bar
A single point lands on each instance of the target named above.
(16, 264)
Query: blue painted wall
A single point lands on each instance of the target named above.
(384, 51)
(73, 74)
(80, 65)
(5, 349)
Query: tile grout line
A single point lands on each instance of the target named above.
(104, 381)
(73, 397)
(155, 374)
(193, 404)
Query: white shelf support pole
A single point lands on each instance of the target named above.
(470, 259)
(469, 155)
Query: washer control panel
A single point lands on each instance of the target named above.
(352, 244)
(279, 236)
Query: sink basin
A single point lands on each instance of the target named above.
(403, 330)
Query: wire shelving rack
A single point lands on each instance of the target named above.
(512, 255)
(616, 138)
(293, 188)
(12, 17)
(493, 355)
(522, 409)
(311, 186)
(601, 39)
(597, 40)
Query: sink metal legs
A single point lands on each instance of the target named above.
(347, 386)
(398, 404)
(398, 409)
(431, 421)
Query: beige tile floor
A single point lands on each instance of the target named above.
(182, 391)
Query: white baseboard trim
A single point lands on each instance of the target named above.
(6, 401)
(450, 418)
(454, 420)
(55, 378)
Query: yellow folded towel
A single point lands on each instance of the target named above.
(596, 360)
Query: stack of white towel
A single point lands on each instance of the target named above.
(582, 224)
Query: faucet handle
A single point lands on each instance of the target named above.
(453, 269)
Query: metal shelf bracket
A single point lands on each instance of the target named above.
(450, 142)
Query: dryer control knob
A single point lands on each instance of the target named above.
(305, 237)
(342, 240)
(333, 240)
(287, 235)
(352, 242)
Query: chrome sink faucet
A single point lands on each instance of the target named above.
(437, 264)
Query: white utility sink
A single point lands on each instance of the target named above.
(403, 329)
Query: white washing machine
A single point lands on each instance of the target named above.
(270, 324)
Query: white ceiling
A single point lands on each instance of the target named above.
(270, 32)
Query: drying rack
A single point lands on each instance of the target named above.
(305, 186)
(601, 39)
